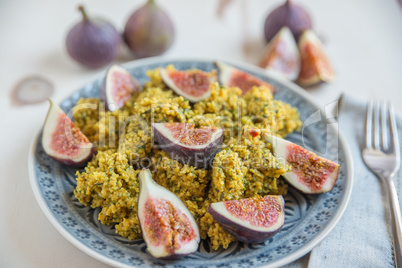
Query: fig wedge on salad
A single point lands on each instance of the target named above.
(191, 84)
(167, 226)
(63, 141)
(188, 145)
(117, 87)
(311, 174)
(230, 76)
(251, 220)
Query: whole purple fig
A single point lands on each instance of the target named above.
(289, 14)
(149, 31)
(93, 42)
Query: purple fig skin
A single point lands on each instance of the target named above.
(241, 233)
(149, 31)
(295, 17)
(199, 158)
(93, 43)
(103, 90)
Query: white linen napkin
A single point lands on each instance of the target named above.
(363, 236)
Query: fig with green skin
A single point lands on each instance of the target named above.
(188, 145)
(63, 141)
(230, 76)
(117, 87)
(251, 220)
(310, 174)
(315, 64)
(167, 226)
(281, 56)
(193, 85)
(149, 31)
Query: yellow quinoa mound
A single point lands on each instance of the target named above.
(245, 167)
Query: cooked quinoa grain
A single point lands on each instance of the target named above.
(245, 167)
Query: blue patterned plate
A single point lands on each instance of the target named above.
(308, 218)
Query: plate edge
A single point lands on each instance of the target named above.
(45, 209)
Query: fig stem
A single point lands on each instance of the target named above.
(83, 12)
(151, 2)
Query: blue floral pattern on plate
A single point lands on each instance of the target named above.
(306, 216)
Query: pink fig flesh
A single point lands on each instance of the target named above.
(167, 226)
(191, 84)
(117, 87)
(230, 76)
(63, 141)
(188, 145)
(315, 64)
(281, 56)
(310, 174)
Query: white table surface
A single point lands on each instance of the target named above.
(362, 37)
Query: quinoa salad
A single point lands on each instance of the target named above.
(244, 167)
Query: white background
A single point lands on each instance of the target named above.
(362, 37)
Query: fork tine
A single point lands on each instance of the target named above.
(369, 124)
(394, 132)
(377, 127)
(384, 128)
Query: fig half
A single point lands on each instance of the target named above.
(188, 145)
(117, 87)
(63, 141)
(281, 55)
(311, 174)
(251, 220)
(191, 84)
(230, 76)
(167, 226)
(316, 66)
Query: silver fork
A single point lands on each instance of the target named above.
(381, 154)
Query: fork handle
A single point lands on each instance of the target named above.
(396, 220)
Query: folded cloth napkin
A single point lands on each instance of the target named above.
(363, 236)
